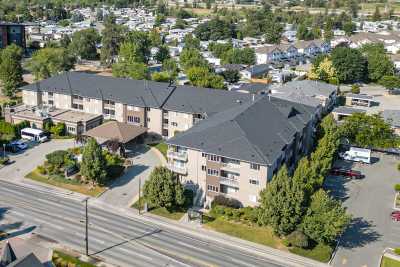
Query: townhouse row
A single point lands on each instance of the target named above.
(282, 52)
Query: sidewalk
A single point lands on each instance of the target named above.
(278, 256)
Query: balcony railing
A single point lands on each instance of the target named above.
(228, 181)
(230, 165)
(177, 169)
(177, 155)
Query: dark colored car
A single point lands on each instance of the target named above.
(346, 173)
(395, 215)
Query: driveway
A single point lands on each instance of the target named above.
(370, 201)
(124, 190)
(26, 161)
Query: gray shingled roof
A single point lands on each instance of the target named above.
(191, 99)
(29, 260)
(255, 131)
(134, 92)
(8, 255)
(347, 110)
(308, 88)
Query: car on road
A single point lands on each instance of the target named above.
(395, 215)
(346, 173)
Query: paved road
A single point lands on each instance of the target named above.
(120, 240)
(124, 189)
(370, 201)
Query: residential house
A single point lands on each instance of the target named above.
(267, 54)
(255, 71)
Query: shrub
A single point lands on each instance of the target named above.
(250, 214)
(397, 251)
(397, 187)
(41, 170)
(298, 239)
(217, 211)
(224, 201)
(4, 160)
(398, 167)
(58, 158)
(59, 129)
(355, 89)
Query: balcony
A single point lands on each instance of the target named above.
(177, 169)
(177, 155)
(230, 166)
(228, 181)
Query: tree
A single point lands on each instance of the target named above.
(353, 8)
(355, 89)
(65, 41)
(202, 77)
(239, 56)
(163, 189)
(218, 49)
(162, 76)
(162, 54)
(192, 58)
(50, 61)
(390, 82)
(325, 219)
(155, 38)
(215, 29)
(281, 204)
(93, 165)
(83, 43)
(323, 71)
(349, 27)
(273, 31)
(368, 131)
(377, 14)
(191, 42)
(112, 36)
(303, 33)
(231, 76)
(350, 64)
(379, 64)
(11, 69)
(142, 44)
(133, 70)
(170, 66)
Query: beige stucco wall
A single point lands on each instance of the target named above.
(120, 112)
(184, 122)
(62, 101)
(30, 98)
(155, 123)
(93, 106)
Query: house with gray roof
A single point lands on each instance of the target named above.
(302, 91)
(236, 152)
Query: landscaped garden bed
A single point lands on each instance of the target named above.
(85, 170)
(62, 259)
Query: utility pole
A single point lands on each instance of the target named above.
(140, 200)
(86, 226)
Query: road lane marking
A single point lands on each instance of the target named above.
(137, 254)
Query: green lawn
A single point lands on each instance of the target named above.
(388, 262)
(163, 212)
(162, 147)
(264, 236)
(256, 234)
(61, 259)
(320, 252)
(66, 184)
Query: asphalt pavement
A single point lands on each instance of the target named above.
(114, 238)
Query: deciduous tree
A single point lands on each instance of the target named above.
(93, 165)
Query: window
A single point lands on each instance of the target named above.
(109, 102)
(77, 97)
(147, 109)
(133, 119)
(255, 166)
(212, 188)
(71, 129)
(213, 158)
(51, 102)
(77, 106)
(203, 168)
(148, 119)
(253, 181)
(212, 172)
(109, 112)
(49, 94)
(203, 155)
(174, 124)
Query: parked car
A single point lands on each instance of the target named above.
(19, 144)
(395, 215)
(346, 173)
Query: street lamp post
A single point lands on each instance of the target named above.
(4, 151)
(140, 201)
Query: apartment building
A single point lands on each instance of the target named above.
(237, 151)
(12, 33)
(163, 108)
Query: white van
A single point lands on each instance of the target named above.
(357, 154)
(34, 135)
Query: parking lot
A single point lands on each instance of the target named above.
(370, 202)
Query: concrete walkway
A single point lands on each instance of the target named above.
(124, 190)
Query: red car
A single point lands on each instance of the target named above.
(346, 173)
(395, 215)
